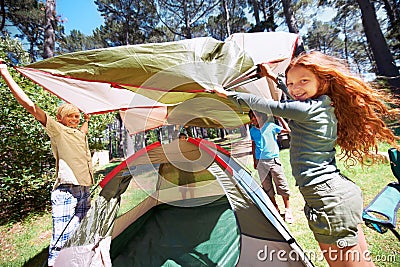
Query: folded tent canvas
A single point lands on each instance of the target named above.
(164, 83)
(223, 219)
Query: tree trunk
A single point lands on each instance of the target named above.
(227, 17)
(292, 24)
(393, 14)
(49, 35)
(346, 40)
(121, 140)
(390, 12)
(383, 58)
(271, 16)
(256, 12)
(3, 15)
(110, 142)
(187, 30)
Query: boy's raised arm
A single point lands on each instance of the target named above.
(21, 97)
(85, 126)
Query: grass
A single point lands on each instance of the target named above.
(24, 240)
(24, 243)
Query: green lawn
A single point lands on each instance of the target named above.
(24, 241)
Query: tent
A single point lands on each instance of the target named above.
(198, 207)
(187, 203)
(160, 84)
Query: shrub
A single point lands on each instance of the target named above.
(26, 159)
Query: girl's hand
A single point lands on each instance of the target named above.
(266, 71)
(219, 91)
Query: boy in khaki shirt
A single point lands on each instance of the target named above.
(70, 198)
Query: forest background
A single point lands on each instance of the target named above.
(366, 33)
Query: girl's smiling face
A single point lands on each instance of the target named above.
(302, 83)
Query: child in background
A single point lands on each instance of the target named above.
(266, 160)
(70, 198)
(329, 107)
(186, 179)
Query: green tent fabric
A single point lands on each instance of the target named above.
(179, 236)
(156, 70)
(169, 74)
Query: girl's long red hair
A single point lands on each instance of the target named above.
(360, 109)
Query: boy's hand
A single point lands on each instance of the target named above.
(86, 117)
(2, 64)
(3, 67)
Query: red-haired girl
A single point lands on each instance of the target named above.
(329, 107)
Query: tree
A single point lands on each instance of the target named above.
(392, 8)
(185, 18)
(292, 23)
(354, 45)
(268, 9)
(77, 41)
(358, 52)
(28, 16)
(49, 29)
(324, 37)
(97, 130)
(127, 21)
(231, 19)
(3, 15)
(226, 16)
(386, 66)
(253, 4)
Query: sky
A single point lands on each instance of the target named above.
(80, 15)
